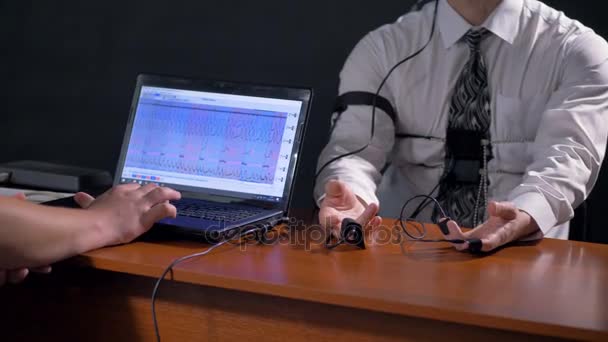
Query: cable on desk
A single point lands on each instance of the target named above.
(421, 237)
(256, 231)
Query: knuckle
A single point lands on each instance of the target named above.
(153, 195)
(119, 188)
(156, 192)
(151, 186)
(160, 191)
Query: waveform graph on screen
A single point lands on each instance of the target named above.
(218, 142)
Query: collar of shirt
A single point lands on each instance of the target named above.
(503, 22)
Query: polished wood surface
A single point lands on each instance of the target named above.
(93, 305)
(554, 288)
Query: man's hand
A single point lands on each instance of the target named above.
(340, 203)
(505, 224)
(129, 210)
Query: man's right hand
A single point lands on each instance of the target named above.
(340, 203)
(129, 210)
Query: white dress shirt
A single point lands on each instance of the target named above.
(548, 80)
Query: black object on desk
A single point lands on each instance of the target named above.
(49, 176)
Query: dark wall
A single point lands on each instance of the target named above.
(67, 68)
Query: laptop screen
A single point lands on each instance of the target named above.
(214, 143)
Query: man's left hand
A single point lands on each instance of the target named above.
(505, 224)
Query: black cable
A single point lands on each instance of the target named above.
(423, 230)
(331, 246)
(374, 103)
(191, 256)
(428, 198)
(426, 202)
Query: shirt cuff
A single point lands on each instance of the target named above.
(538, 208)
(365, 195)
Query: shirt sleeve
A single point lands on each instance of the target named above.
(571, 140)
(363, 71)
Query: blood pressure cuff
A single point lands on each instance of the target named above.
(363, 98)
(464, 145)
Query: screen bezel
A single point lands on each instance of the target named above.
(303, 95)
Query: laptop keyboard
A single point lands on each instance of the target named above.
(214, 212)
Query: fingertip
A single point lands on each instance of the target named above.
(166, 209)
(373, 208)
(492, 208)
(169, 194)
(20, 196)
(176, 195)
(157, 213)
(452, 225)
(83, 199)
(162, 195)
(376, 221)
(17, 276)
(454, 229)
(172, 210)
(44, 269)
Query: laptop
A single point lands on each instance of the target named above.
(231, 149)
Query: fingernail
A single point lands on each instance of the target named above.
(18, 276)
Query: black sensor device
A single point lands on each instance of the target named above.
(352, 233)
(475, 245)
(443, 225)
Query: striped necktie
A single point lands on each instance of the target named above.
(469, 111)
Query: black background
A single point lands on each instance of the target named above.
(68, 68)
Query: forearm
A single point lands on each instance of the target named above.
(34, 235)
(571, 140)
(360, 171)
(363, 71)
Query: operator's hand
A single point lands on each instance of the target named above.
(19, 275)
(505, 224)
(129, 210)
(340, 203)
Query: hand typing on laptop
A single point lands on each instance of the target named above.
(32, 236)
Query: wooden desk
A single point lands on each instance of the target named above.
(302, 292)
